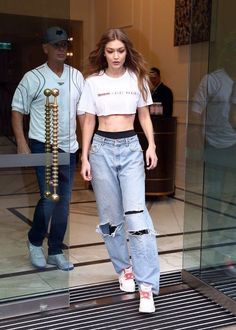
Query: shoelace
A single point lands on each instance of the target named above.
(144, 294)
(129, 276)
(229, 263)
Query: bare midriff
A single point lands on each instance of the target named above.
(116, 123)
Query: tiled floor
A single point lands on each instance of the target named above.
(18, 197)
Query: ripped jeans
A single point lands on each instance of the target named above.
(119, 186)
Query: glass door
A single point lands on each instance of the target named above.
(210, 209)
(23, 287)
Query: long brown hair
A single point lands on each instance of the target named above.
(134, 60)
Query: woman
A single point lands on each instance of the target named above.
(113, 160)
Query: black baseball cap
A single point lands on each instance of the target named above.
(55, 34)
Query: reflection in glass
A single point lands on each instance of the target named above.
(210, 217)
(19, 189)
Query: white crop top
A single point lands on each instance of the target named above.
(104, 95)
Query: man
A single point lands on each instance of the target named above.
(29, 99)
(212, 103)
(160, 92)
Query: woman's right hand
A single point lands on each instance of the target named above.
(86, 170)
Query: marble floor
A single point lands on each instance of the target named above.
(18, 197)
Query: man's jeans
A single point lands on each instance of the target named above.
(47, 209)
(118, 180)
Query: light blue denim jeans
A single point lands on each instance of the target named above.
(119, 186)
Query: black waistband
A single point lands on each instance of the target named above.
(116, 135)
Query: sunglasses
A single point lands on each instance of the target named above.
(58, 45)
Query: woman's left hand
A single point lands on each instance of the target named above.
(151, 158)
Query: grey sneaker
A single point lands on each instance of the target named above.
(37, 256)
(60, 261)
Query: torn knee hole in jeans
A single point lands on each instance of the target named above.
(107, 229)
(133, 212)
(139, 232)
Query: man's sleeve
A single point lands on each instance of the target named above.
(22, 99)
(86, 102)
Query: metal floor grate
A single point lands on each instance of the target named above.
(218, 279)
(186, 309)
(98, 291)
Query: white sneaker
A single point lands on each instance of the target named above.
(229, 267)
(146, 299)
(126, 280)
